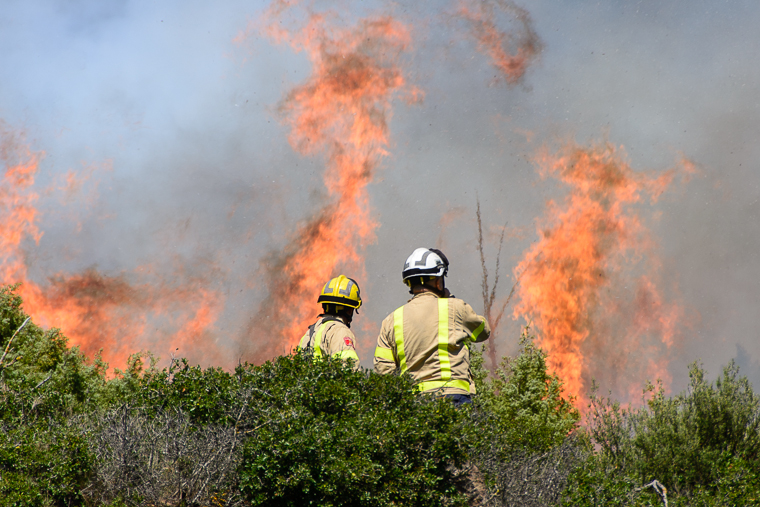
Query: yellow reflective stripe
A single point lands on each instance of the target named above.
(398, 332)
(443, 338)
(346, 354)
(318, 339)
(304, 342)
(438, 384)
(477, 331)
(383, 353)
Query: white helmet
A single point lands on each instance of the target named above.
(425, 262)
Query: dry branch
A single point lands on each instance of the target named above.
(661, 490)
(8, 347)
(161, 459)
(489, 293)
(530, 479)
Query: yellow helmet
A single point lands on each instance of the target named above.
(341, 291)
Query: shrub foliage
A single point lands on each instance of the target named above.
(295, 431)
(329, 435)
(703, 445)
(523, 422)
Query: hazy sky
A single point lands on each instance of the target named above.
(176, 127)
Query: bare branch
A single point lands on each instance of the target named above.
(161, 458)
(498, 261)
(42, 383)
(657, 486)
(525, 478)
(7, 348)
(506, 303)
(484, 281)
(489, 293)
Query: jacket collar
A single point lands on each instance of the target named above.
(424, 295)
(322, 316)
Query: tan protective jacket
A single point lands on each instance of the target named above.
(429, 337)
(330, 336)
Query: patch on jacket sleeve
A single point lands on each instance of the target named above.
(348, 341)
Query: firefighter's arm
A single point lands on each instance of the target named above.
(343, 344)
(477, 325)
(385, 358)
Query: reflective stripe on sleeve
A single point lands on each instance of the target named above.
(346, 354)
(383, 353)
(443, 338)
(318, 339)
(304, 342)
(398, 333)
(431, 385)
(477, 331)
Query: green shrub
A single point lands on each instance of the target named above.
(524, 402)
(683, 439)
(43, 465)
(703, 445)
(293, 431)
(206, 396)
(328, 435)
(44, 460)
(522, 423)
(737, 483)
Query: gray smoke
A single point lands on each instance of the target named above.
(192, 165)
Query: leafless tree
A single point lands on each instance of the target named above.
(489, 292)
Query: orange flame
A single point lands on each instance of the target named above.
(94, 311)
(341, 111)
(574, 281)
(17, 203)
(511, 53)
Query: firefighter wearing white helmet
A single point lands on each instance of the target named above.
(331, 335)
(429, 336)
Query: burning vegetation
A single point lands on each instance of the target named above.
(101, 314)
(290, 430)
(297, 431)
(586, 284)
(341, 112)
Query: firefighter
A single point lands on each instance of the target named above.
(331, 335)
(429, 336)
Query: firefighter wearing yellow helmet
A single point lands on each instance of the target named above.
(331, 335)
(429, 336)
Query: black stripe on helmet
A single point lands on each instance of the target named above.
(440, 254)
(434, 271)
(338, 300)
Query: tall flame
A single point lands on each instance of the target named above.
(574, 281)
(341, 111)
(93, 310)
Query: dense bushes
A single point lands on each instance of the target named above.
(702, 445)
(328, 435)
(523, 403)
(43, 384)
(290, 432)
(298, 432)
